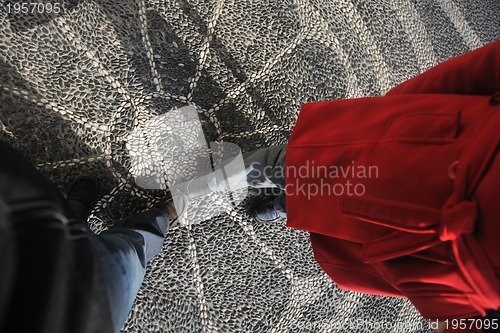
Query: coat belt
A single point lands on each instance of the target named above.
(418, 228)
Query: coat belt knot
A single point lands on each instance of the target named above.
(458, 220)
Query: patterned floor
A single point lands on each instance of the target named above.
(74, 85)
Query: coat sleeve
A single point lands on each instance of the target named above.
(473, 73)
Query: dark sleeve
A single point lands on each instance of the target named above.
(473, 73)
(55, 279)
(7, 261)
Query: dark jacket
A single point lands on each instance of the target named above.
(50, 278)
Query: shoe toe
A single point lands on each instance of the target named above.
(174, 209)
(265, 213)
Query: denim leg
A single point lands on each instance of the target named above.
(123, 253)
(153, 226)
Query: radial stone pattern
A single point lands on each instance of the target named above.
(74, 85)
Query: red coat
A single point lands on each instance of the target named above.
(401, 193)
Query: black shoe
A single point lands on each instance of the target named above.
(268, 212)
(82, 192)
(174, 209)
(148, 220)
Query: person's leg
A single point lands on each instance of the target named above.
(152, 224)
(122, 251)
(264, 165)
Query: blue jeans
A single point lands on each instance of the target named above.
(123, 253)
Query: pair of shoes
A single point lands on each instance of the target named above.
(174, 209)
(268, 212)
(83, 190)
